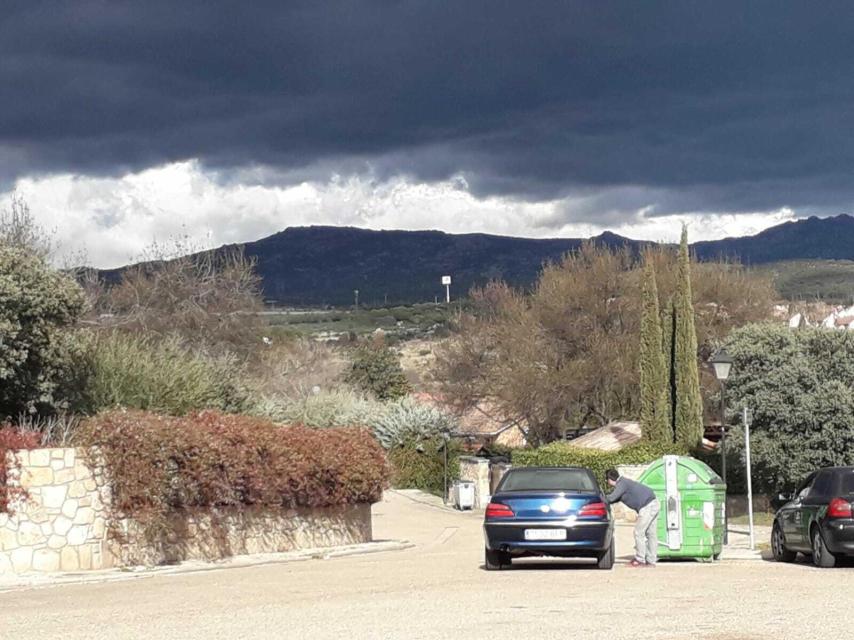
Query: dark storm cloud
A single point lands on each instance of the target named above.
(683, 106)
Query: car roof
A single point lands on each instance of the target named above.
(837, 469)
(511, 469)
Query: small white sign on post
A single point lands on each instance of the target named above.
(446, 280)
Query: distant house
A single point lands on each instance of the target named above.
(840, 318)
(481, 425)
(612, 437)
(618, 435)
(798, 321)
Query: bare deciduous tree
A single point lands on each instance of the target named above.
(19, 230)
(208, 298)
(566, 355)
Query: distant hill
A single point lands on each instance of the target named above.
(323, 265)
(807, 239)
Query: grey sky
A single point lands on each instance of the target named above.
(669, 108)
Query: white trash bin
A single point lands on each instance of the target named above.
(464, 495)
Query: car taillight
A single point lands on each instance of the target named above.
(839, 508)
(594, 510)
(496, 510)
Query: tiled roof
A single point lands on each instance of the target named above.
(611, 437)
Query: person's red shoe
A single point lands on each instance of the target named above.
(635, 564)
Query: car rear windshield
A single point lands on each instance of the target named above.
(846, 480)
(549, 480)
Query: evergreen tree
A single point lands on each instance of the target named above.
(669, 325)
(688, 415)
(654, 386)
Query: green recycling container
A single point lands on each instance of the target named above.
(693, 506)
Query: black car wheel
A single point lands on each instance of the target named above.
(821, 557)
(778, 546)
(496, 560)
(606, 560)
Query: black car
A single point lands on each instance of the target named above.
(548, 511)
(817, 520)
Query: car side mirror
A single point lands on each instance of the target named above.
(780, 500)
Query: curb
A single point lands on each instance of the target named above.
(35, 581)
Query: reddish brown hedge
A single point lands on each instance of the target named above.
(157, 464)
(12, 440)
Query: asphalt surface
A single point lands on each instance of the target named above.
(438, 589)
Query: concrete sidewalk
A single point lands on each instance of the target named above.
(739, 544)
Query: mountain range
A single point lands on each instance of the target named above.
(315, 266)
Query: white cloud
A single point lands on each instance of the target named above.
(115, 219)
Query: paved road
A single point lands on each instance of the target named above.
(439, 590)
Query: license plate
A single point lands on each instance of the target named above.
(545, 534)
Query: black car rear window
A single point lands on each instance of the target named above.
(548, 480)
(846, 481)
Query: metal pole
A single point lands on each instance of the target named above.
(723, 457)
(446, 438)
(448, 293)
(749, 481)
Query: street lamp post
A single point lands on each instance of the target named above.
(722, 363)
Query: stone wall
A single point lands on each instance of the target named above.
(63, 525)
(215, 534)
(476, 470)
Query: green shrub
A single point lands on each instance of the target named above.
(137, 372)
(403, 314)
(157, 464)
(341, 408)
(564, 454)
(408, 420)
(421, 465)
(393, 423)
(36, 304)
(377, 370)
(799, 387)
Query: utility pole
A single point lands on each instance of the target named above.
(749, 479)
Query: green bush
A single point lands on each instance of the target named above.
(564, 454)
(799, 387)
(36, 304)
(421, 465)
(408, 420)
(137, 372)
(393, 423)
(341, 408)
(377, 370)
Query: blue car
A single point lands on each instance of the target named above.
(548, 511)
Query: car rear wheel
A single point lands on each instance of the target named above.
(606, 560)
(778, 546)
(821, 557)
(496, 560)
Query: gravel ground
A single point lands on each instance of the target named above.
(439, 590)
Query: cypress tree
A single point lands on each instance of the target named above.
(654, 386)
(669, 324)
(688, 414)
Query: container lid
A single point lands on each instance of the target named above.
(691, 473)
